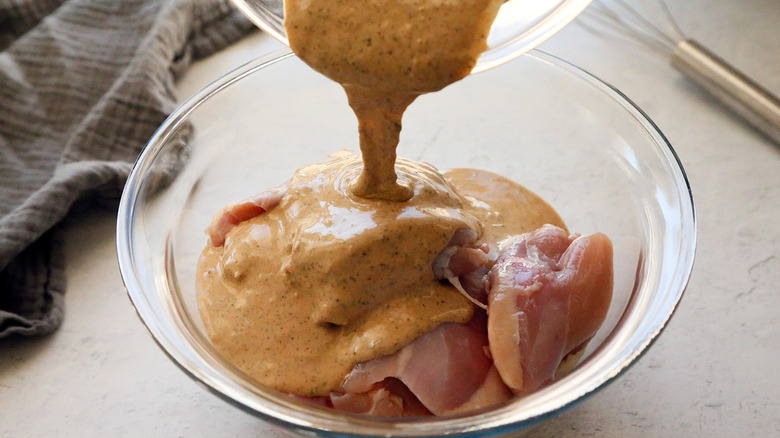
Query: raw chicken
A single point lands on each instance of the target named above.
(465, 264)
(548, 294)
(447, 370)
(234, 214)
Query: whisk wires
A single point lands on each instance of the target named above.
(647, 23)
(650, 24)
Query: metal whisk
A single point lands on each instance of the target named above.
(651, 24)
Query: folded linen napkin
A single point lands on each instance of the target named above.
(83, 86)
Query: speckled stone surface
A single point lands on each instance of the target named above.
(713, 372)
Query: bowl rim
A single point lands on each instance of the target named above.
(494, 421)
(507, 49)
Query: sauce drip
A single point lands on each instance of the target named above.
(385, 53)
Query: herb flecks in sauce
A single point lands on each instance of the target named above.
(385, 53)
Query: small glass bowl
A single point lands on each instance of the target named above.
(548, 125)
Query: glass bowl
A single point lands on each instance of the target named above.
(519, 26)
(548, 125)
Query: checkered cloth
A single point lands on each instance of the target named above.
(83, 86)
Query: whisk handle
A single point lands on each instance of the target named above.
(733, 88)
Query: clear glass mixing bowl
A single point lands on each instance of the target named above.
(520, 25)
(556, 129)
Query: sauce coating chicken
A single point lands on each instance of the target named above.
(347, 301)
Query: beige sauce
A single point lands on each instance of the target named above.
(301, 294)
(503, 207)
(340, 271)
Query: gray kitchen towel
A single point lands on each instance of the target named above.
(83, 86)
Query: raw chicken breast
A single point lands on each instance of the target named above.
(234, 214)
(446, 369)
(548, 294)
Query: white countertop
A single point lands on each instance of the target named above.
(714, 372)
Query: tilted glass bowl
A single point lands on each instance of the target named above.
(520, 25)
(548, 125)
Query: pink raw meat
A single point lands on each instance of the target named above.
(445, 369)
(234, 214)
(548, 294)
